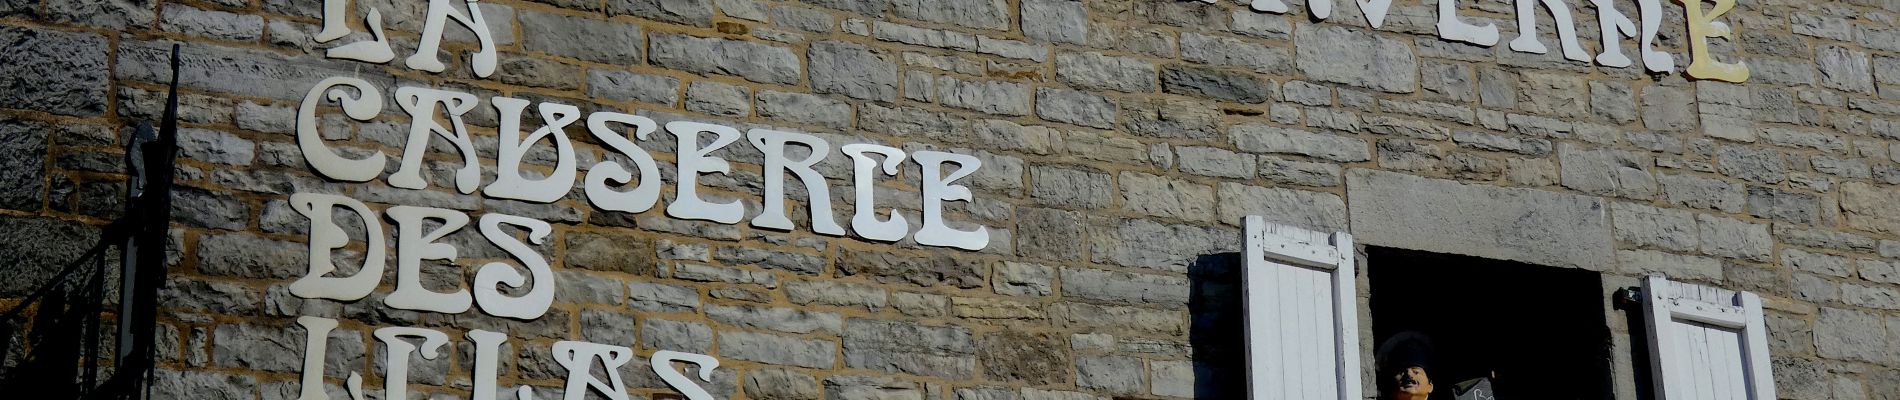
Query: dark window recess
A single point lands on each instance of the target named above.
(1539, 330)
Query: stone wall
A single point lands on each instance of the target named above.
(1123, 142)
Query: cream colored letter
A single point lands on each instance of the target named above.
(1703, 26)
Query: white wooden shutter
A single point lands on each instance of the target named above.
(1302, 317)
(1706, 343)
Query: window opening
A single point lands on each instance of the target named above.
(1539, 331)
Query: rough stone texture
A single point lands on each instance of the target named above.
(688, 12)
(1163, 197)
(752, 61)
(1606, 172)
(1871, 208)
(213, 24)
(779, 384)
(1233, 52)
(1513, 224)
(1049, 234)
(1655, 227)
(900, 347)
(23, 164)
(1267, 139)
(1851, 335)
(1075, 107)
(719, 99)
(1055, 21)
(1378, 62)
(39, 248)
(1725, 237)
(1071, 188)
(1312, 210)
(1034, 359)
(53, 71)
(1150, 244)
(610, 253)
(775, 349)
(853, 70)
(624, 86)
(983, 14)
(1122, 287)
(1110, 374)
(805, 109)
(1093, 70)
(926, 272)
(1022, 279)
(845, 387)
(1215, 84)
(1123, 142)
(993, 97)
(171, 384)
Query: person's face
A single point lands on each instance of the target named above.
(1411, 383)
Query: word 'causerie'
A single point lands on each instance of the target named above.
(1615, 26)
(608, 185)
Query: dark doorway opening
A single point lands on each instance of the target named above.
(1540, 331)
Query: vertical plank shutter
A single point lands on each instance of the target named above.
(1302, 317)
(1706, 343)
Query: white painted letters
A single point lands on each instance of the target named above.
(1450, 28)
(366, 105)
(644, 195)
(316, 343)
(1614, 26)
(440, 11)
(412, 247)
(1655, 61)
(938, 189)
(578, 358)
(396, 367)
(773, 144)
(693, 161)
(336, 26)
(420, 104)
(491, 276)
(325, 236)
(1566, 29)
(864, 221)
(509, 183)
(662, 363)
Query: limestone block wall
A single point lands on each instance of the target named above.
(1122, 141)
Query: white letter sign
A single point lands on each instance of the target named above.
(938, 189)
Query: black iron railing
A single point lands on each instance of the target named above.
(60, 347)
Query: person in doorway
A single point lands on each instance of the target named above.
(1405, 363)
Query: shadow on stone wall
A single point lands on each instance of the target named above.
(1217, 333)
(47, 358)
(1639, 344)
